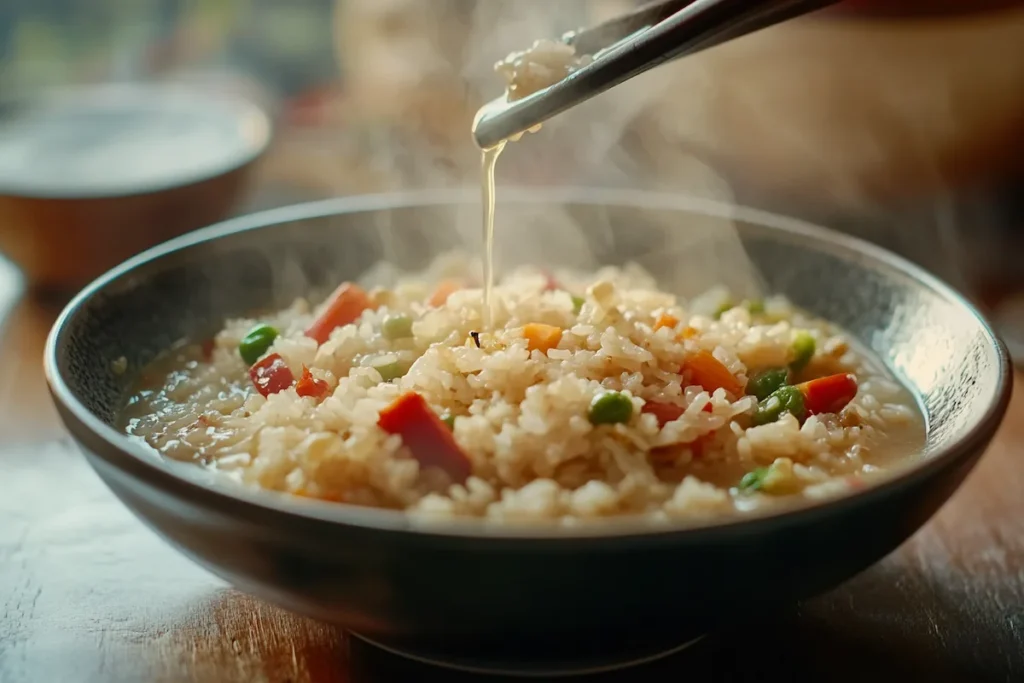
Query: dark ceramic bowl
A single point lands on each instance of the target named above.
(494, 596)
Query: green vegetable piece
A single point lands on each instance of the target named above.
(390, 371)
(256, 342)
(802, 350)
(755, 306)
(753, 480)
(396, 326)
(577, 304)
(610, 407)
(763, 383)
(783, 400)
(448, 419)
(725, 306)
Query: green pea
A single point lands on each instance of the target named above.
(390, 371)
(763, 383)
(448, 419)
(755, 306)
(577, 304)
(396, 327)
(753, 480)
(783, 400)
(256, 342)
(610, 407)
(802, 350)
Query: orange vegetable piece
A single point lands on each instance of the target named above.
(828, 394)
(346, 304)
(444, 289)
(665, 320)
(708, 372)
(689, 332)
(667, 412)
(541, 337)
(311, 386)
(425, 435)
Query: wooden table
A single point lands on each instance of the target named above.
(88, 594)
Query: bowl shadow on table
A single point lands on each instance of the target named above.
(781, 648)
(887, 624)
(791, 646)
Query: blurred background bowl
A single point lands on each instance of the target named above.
(90, 176)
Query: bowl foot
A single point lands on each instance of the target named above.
(549, 667)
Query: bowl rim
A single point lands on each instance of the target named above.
(142, 94)
(191, 482)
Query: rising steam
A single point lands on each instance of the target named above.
(818, 116)
(594, 145)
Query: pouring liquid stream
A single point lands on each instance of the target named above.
(518, 70)
(488, 160)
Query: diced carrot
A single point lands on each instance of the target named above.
(689, 332)
(311, 386)
(444, 289)
(425, 435)
(271, 375)
(665, 320)
(708, 372)
(541, 337)
(346, 304)
(828, 394)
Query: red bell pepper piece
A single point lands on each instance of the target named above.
(665, 412)
(271, 375)
(425, 435)
(828, 394)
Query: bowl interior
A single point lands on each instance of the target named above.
(929, 335)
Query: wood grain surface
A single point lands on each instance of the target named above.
(88, 594)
